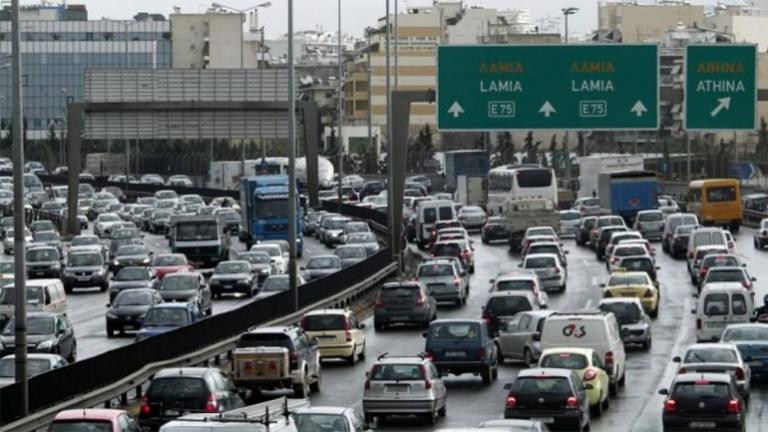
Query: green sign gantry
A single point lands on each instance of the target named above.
(550, 87)
(720, 87)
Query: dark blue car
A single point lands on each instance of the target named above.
(459, 346)
(752, 342)
(165, 317)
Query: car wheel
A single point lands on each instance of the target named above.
(377, 326)
(442, 412)
(301, 390)
(606, 403)
(655, 312)
(528, 358)
(597, 410)
(73, 355)
(432, 418)
(613, 388)
(361, 356)
(110, 332)
(623, 379)
(487, 375)
(209, 311)
(102, 288)
(352, 359)
(315, 386)
(369, 419)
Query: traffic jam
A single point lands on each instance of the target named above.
(561, 368)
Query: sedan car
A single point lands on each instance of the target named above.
(132, 277)
(170, 263)
(703, 401)
(46, 333)
(367, 240)
(260, 262)
(634, 324)
(589, 367)
(633, 284)
(165, 317)
(320, 266)
(127, 310)
(472, 217)
(231, 277)
(445, 280)
(36, 364)
(717, 357)
(552, 274)
(130, 256)
(188, 287)
(43, 262)
(350, 254)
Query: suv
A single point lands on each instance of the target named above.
(43, 262)
(455, 248)
(270, 358)
(187, 288)
(403, 303)
(175, 391)
(634, 322)
(459, 346)
(445, 280)
(705, 401)
(338, 334)
(85, 268)
(502, 305)
(585, 227)
(404, 385)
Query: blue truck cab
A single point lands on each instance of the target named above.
(264, 210)
(625, 193)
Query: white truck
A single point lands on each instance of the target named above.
(527, 213)
(227, 174)
(469, 190)
(590, 168)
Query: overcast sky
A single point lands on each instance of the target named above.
(356, 14)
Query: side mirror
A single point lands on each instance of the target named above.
(424, 335)
(743, 264)
(676, 359)
(602, 285)
(624, 332)
(302, 268)
(664, 392)
(567, 252)
(491, 280)
(536, 337)
(109, 304)
(753, 279)
(658, 268)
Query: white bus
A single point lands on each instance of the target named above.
(519, 182)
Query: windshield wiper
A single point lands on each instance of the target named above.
(701, 359)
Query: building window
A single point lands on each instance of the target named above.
(89, 36)
(109, 36)
(167, 36)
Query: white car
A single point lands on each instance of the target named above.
(104, 224)
(569, 223)
(8, 241)
(275, 256)
(552, 274)
(624, 250)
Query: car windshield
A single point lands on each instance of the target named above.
(133, 298)
(539, 262)
(336, 224)
(85, 241)
(130, 250)
(36, 255)
(132, 274)
(397, 372)
(255, 257)
(716, 275)
(166, 317)
(350, 252)
(507, 305)
(710, 355)
(430, 270)
(535, 386)
(36, 325)
(34, 367)
(322, 263)
(196, 231)
(591, 202)
(515, 285)
(45, 236)
(629, 251)
(630, 279)
(448, 331)
(650, 217)
(169, 260)
(179, 282)
(626, 313)
(751, 333)
(701, 389)
(108, 218)
(84, 259)
(361, 238)
(276, 283)
(232, 268)
(324, 322)
(564, 361)
(320, 422)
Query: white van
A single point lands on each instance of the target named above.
(719, 305)
(43, 295)
(670, 225)
(704, 237)
(596, 330)
(429, 212)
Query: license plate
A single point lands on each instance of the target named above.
(703, 425)
(400, 318)
(39, 273)
(326, 337)
(171, 413)
(454, 354)
(83, 278)
(397, 388)
(546, 420)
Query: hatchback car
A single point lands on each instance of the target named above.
(720, 358)
(176, 391)
(94, 419)
(717, 260)
(338, 333)
(36, 364)
(322, 418)
(132, 277)
(556, 397)
(445, 280)
(495, 229)
(525, 280)
(164, 317)
(85, 268)
(503, 305)
(46, 333)
(170, 263)
(368, 240)
(735, 275)
(586, 225)
(603, 222)
(603, 237)
(588, 365)
(650, 223)
(622, 250)
(619, 237)
(403, 303)
(128, 309)
(187, 288)
(694, 264)
(703, 401)
(634, 323)
(278, 283)
(552, 274)
(459, 346)
(231, 277)
(44, 262)
(639, 285)
(520, 337)
(261, 264)
(332, 229)
(472, 217)
(321, 266)
(350, 254)
(455, 248)
(404, 386)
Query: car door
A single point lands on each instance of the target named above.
(357, 332)
(602, 376)
(506, 338)
(65, 335)
(437, 382)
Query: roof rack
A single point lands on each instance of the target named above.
(386, 355)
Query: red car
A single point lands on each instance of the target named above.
(111, 420)
(170, 263)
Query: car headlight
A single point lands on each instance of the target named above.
(111, 314)
(146, 261)
(264, 271)
(45, 345)
(100, 272)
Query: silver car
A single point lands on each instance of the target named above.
(519, 338)
(551, 272)
(404, 386)
(569, 223)
(720, 357)
(634, 322)
(472, 217)
(445, 280)
(650, 223)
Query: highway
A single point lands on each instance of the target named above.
(638, 406)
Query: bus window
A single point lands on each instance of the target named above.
(721, 194)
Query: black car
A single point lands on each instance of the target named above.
(604, 237)
(176, 391)
(369, 240)
(160, 221)
(116, 244)
(699, 401)
(187, 287)
(128, 309)
(85, 268)
(680, 240)
(46, 333)
(640, 263)
(43, 262)
(555, 395)
(132, 277)
(261, 263)
(403, 303)
(585, 227)
(233, 277)
(130, 256)
(371, 188)
(495, 228)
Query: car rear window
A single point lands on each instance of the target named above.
(330, 322)
(708, 238)
(716, 304)
(635, 264)
(81, 426)
(537, 249)
(716, 275)
(508, 305)
(397, 372)
(650, 217)
(721, 194)
(720, 261)
(430, 215)
(435, 270)
(701, 390)
(539, 262)
(399, 292)
(629, 251)
(710, 355)
(177, 388)
(564, 361)
(625, 313)
(453, 331)
(638, 279)
(450, 249)
(514, 285)
(446, 213)
(251, 340)
(542, 384)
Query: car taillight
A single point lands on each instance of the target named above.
(690, 254)
(746, 284)
(480, 354)
(429, 354)
(304, 323)
(379, 302)
(557, 270)
(734, 406)
(294, 355)
(145, 408)
(670, 406)
(211, 406)
(614, 260)
(511, 401)
(739, 373)
(571, 402)
(456, 281)
(368, 384)
(434, 233)
(427, 382)
(703, 272)
(609, 358)
(347, 331)
(649, 293)
(682, 370)
(420, 301)
(698, 324)
(487, 318)
(589, 375)
(466, 254)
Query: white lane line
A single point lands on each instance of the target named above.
(588, 304)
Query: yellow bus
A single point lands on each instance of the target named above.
(716, 202)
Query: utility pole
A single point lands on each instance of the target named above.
(292, 164)
(340, 108)
(368, 32)
(19, 257)
(397, 46)
(393, 224)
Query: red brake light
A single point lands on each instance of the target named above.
(557, 270)
(670, 406)
(745, 283)
(487, 318)
(589, 375)
(511, 401)
(427, 382)
(304, 323)
(682, 370)
(430, 355)
(294, 355)
(211, 406)
(456, 281)
(480, 354)
(379, 302)
(145, 408)
(420, 300)
(609, 358)
(739, 373)
(571, 402)
(698, 324)
(734, 406)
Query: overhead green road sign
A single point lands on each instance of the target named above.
(571, 87)
(720, 87)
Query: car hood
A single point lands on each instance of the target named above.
(180, 295)
(130, 310)
(346, 262)
(31, 339)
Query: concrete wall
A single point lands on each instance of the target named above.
(750, 29)
(642, 23)
(225, 37)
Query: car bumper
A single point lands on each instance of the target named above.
(230, 288)
(123, 323)
(398, 406)
(636, 336)
(553, 283)
(652, 235)
(458, 368)
(335, 351)
(686, 423)
(553, 419)
(679, 248)
(395, 317)
(84, 281)
(494, 236)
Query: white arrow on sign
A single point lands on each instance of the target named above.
(724, 103)
(456, 109)
(547, 109)
(639, 108)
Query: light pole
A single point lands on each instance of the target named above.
(390, 139)
(340, 108)
(242, 55)
(397, 47)
(292, 276)
(62, 159)
(368, 32)
(566, 12)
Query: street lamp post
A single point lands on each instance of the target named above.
(567, 12)
(340, 108)
(292, 276)
(368, 32)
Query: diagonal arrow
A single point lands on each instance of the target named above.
(547, 109)
(456, 109)
(724, 103)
